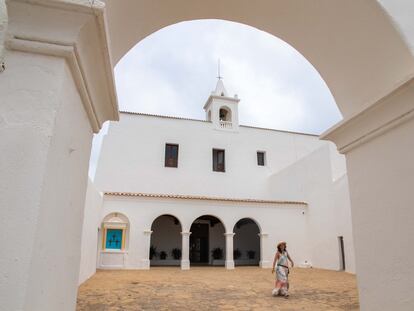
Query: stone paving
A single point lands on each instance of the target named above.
(214, 288)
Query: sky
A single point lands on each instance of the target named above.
(173, 71)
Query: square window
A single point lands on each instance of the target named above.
(218, 160)
(171, 155)
(113, 239)
(261, 158)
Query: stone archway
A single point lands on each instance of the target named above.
(207, 241)
(353, 45)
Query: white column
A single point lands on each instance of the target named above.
(263, 245)
(145, 262)
(52, 100)
(185, 253)
(379, 149)
(229, 250)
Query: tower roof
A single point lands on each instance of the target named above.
(220, 92)
(220, 89)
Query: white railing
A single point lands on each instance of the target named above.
(226, 124)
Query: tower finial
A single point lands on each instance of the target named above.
(218, 70)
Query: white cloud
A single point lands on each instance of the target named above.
(173, 71)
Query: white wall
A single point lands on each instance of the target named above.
(58, 236)
(26, 120)
(298, 168)
(328, 215)
(56, 90)
(90, 230)
(383, 217)
(46, 141)
(142, 211)
(132, 157)
(343, 220)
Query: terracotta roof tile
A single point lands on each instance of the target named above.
(162, 116)
(201, 198)
(205, 121)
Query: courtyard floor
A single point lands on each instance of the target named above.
(211, 288)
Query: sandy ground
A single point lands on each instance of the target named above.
(209, 288)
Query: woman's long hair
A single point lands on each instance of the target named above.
(279, 248)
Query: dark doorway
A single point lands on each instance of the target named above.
(165, 248)
(341, 253)
(246, 243)
(199, 243)
(207, 241)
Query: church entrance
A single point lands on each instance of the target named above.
(207, 241)
(199, 244)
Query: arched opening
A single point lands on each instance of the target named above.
(113, 240)
(165, 246)
(246, 243)
(225, 114)
(207, 241)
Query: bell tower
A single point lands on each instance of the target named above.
(221, 109)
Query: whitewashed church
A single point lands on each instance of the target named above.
(176, 191)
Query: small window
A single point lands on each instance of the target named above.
(218, 160)
(171, 155)
(261, 158)
(114, 239)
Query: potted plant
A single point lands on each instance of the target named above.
(153, 252)
(176, 253)
(217, 253)
(251, 254)
(236, 254)
(163, 255)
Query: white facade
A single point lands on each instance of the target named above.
(300, 194)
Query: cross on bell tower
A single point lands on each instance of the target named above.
(218, 70)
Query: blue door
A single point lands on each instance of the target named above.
(113, 239)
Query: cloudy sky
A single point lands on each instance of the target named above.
(173, 71)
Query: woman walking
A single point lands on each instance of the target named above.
(282, 270)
